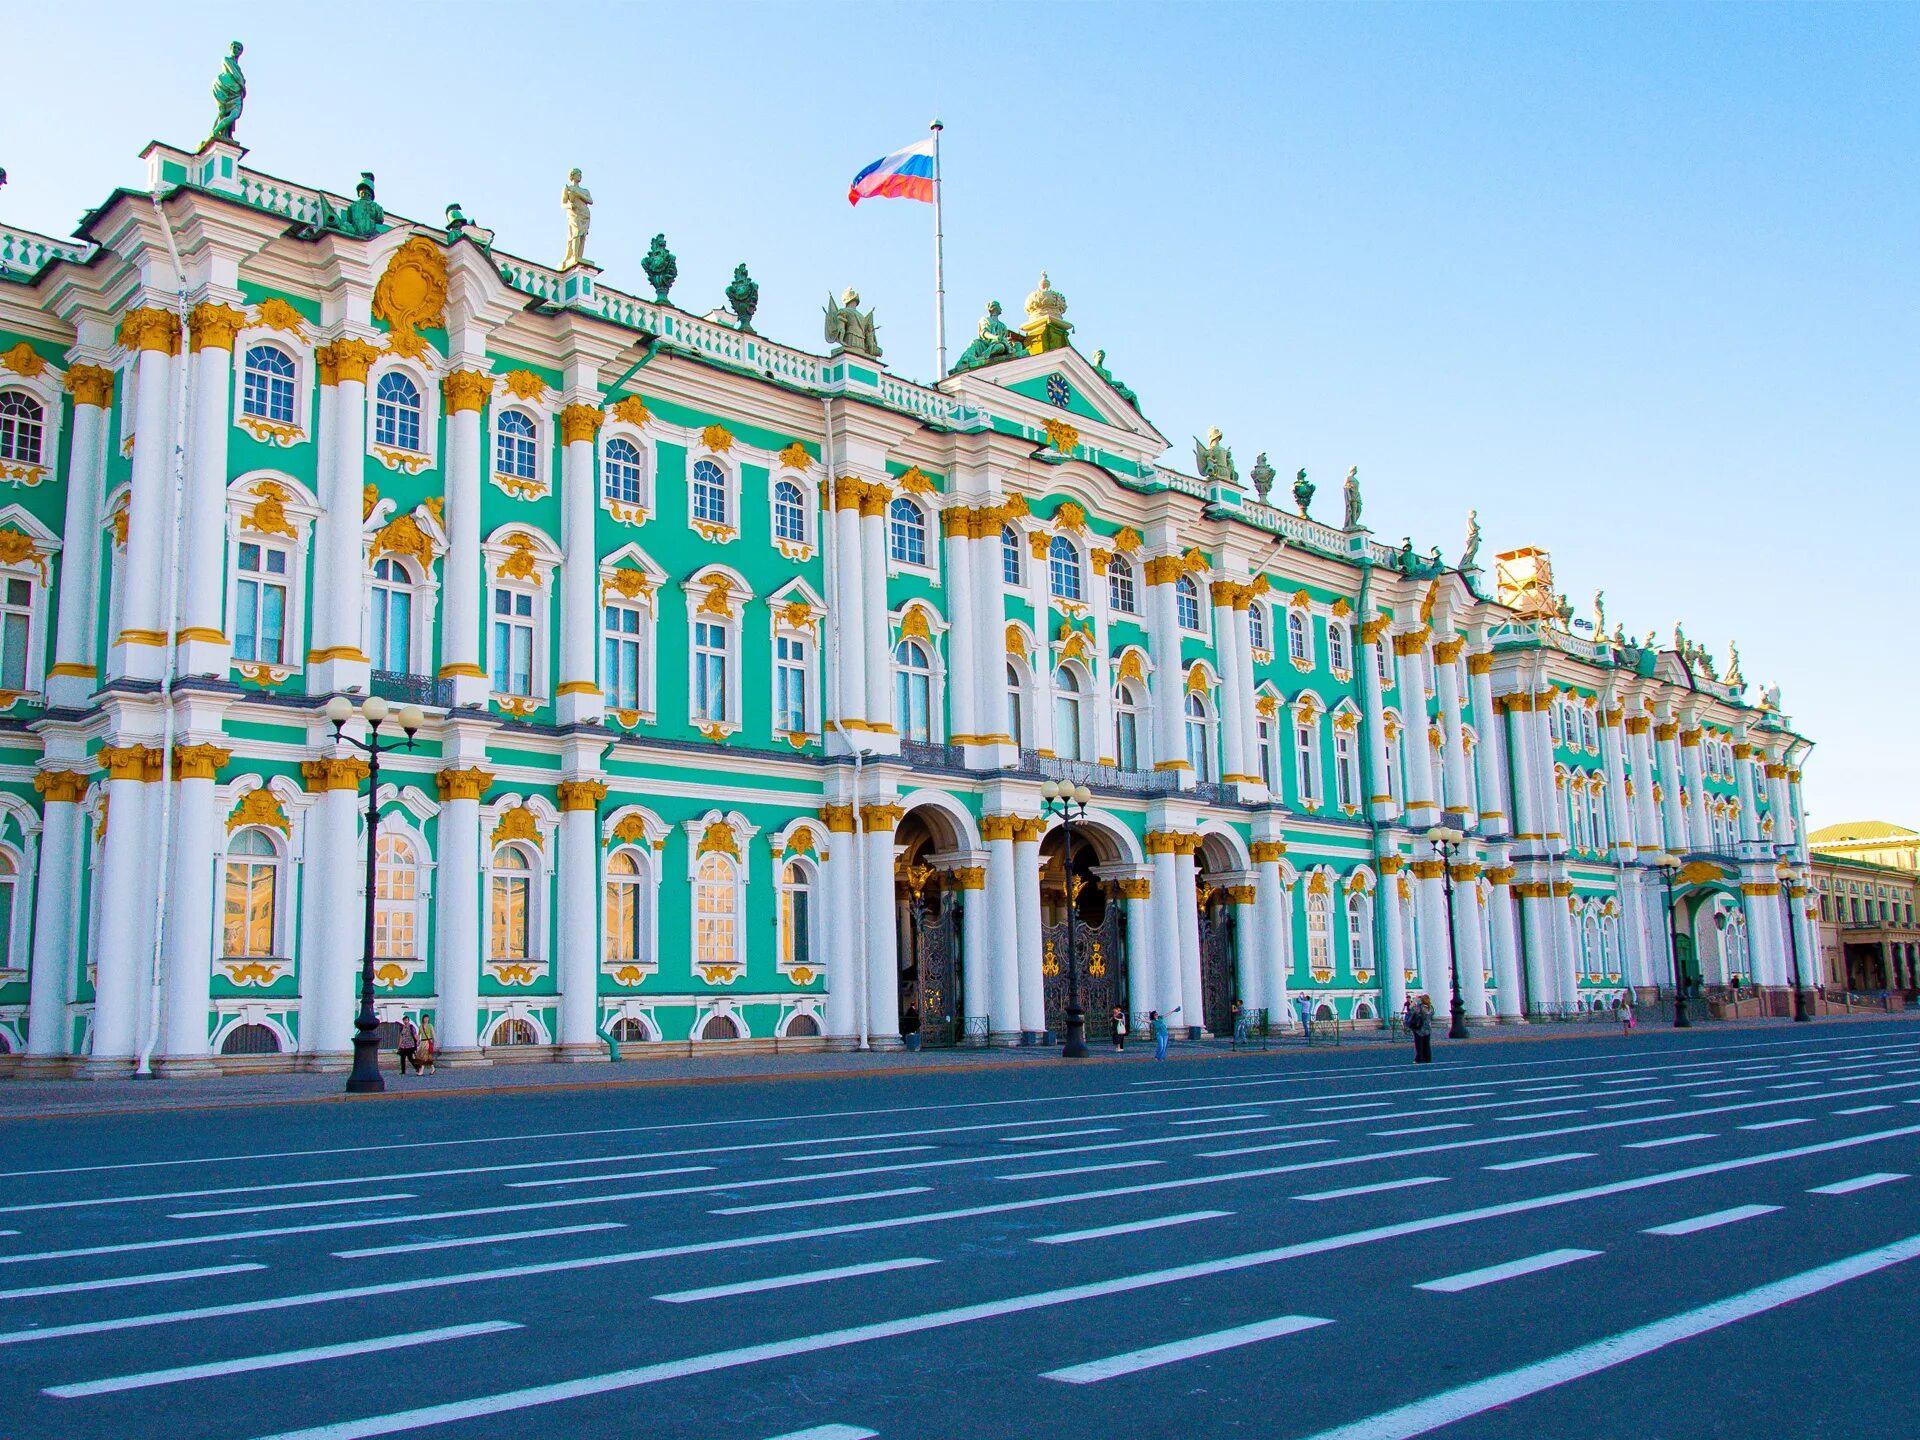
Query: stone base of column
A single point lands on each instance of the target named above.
(70, 692)
(88, 1067)
(466, 1057)
(342, 673)
(205, 657)
(137, 661)
(1248, 791)
(186, 1067)
(1006, 1038)
(584, 1052)
(991, 757)
(45, 1067)
(326, 1060)
(580, 708)
(469, 691)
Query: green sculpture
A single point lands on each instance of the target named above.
(1100, 365)
(1262, 477)
(661, 268)
(1303, 489)
(743, 294)
(361, 218)
(1351, 520)
(1213, 460)
(456, 222)
(848, 328)
(229, 96)
(992, 341)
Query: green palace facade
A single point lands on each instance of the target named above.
(744, 667)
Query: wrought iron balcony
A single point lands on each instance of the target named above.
(410, 689)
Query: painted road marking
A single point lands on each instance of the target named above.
(1057, 1135)
(1133, 1227)
(1081, 1170)
(288, 1205)
(1424, 1129)
(1795, 1084)
(788, 1282)
(1538, 1115)
(1711, 1221)
(1356, 1105)
(1261, 1149)
(121, 1282)
(855, 1154)
(830, 1432)
(1345, 1191)
(1777, 1124)
(1469, 1095)
(1494, 1274)
(1720, 1094)
(1542, 1160)
(466, 1240)
(1223, 1119)
(821, 1200)
(1157, 1355)
(1424, 1416)
(1859, 1182)
(1668, 1140)
(1862, 1109)
(603, 1179)
(280, 1360)
(1632, 1104)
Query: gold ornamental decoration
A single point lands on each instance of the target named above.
(463, 784)
(24, 360)
(90, 385)
(517, 824)
(213, 326)
(61, 787)
(525, 385)
(631, 830)
(718, 838)
(412, 296)
(628, 584)
(17, 547)
(581, 794)
(269, 513)
(795, 456)
(1127, 540)
(915, 481)
(198, 762)
(1061, 437)
(579, 422)
(717, 438)
(149, 328)
(632, 410)
(403, 536)
(351, 359)
(519, 563)
(258, 807)
(465, 390)
(339, 773)
(276, 314)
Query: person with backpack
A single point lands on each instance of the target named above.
(1420, 1026)
(407, 1043)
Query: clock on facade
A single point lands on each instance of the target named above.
(1058, 392)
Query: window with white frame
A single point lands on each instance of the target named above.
(628, 934)
(1319, 930)
(708, 494)
(1597, 803)
(23, 428)
(1610, 946)
(1299, 637)
(793, 884)
(712, 656)
(251, 894)
(513, 633)
(790, 684)
(1009, 555)
(1063, 569)
(1257, 625)
(267, 384)
(1346, 773)
(1383, 662)
(1392, 785)
(516, 447)
(510, 905)
(1263, 743)
(789, 513)
(913, 691)
(906, 532)
(1589, 729)
(1068, 708)
(623, 630)
(397, 410)
(622, 476)
(716, 915)
(260, 602)
(1553, 722)
(1337, 648)
(1306, 757)
(1127, 713)
(1120, 592)
(1359, 932)
(1186, 603)
(396, 898)
(16, 631)
(1199, 727)
(390, 616)
(1016, 704)
(9, 911)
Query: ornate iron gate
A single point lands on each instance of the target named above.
(930, 981)
(1103, 970)
(1218, 980)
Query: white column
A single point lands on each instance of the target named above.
(1698, 824)
(1766, 935)
(1466, 939)
(1539, 942)
(1797, 812)
(1506, 949)
(1646, 817)
(204, 647)
(462, 609)
(579, 948)
(976, 945)
(1165, 904)
(989, 618)
(1673, 818)
(457, 917)
(1613, 753)
(126, 901)
(1143, 983)
(1250, 945)
(1422, 807)
(335, 872)
(878, 708)
(1453, 752)
(1235, 705)
(964, 722)
(1394, 959)
(1372, 636)
(1436, 961)
(1003, 906)
(1489, 757)
(137, 649)
(56, 919)
(1744, 765)
(1520, 768)
(1026, 893)
(1169, 676)
(70, 679)
(578, 696)
(1186, 918)
(190, 909)
(1277, 934)
(883, 944)
(335, 661)
(837, 882)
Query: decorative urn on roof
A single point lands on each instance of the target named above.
(1046, 327)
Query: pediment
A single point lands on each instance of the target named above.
(1020, 386)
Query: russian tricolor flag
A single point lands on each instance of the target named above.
(905, 174)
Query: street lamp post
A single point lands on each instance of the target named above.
(1447, 841)
(365, 1078)
(1669, 866)
(1802, 1004)
(1069, 802)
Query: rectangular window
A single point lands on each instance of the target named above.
(16, 626)
(260, 609)
(789, 684)
(511, 897)
(1343, 772)
(1265, 744)
(1304, 757)
(392, 629)
(513, 642)
(621, 677)
(709, 672)
(249, 908)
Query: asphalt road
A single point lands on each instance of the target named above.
(1680, 1235)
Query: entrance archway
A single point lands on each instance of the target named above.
(1099, 934)
(1220, 939)
(927, 918)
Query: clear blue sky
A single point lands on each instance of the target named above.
(1524, 258)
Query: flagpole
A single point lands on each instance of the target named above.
(939, 270)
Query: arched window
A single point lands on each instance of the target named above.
(789, 513)
(716, 912)
(1257, 625)
(630, 1029)
(252, 894)
(802, 1026)
(625, 907)
(795, 886)
(720, 1027)
(1126, 726)
(913, 691)
(1609, 947)
(1066, 713)
(9, 878)
(514, 1031)
(1590, 944)
(1359, 933)
(266, 386)
(514, 449)
(1319, 931)
(710, 493)
(1009, 555)
(396, 415)
(1016, 705)
(22, 427)
(396, 894)
(391, 616)
(1299, 639)
(1346, 769)
(1186, 603)
(1120, 593)
(1199, 750)
(1337, 645)
(620, 471)
(906, 532)
(510, 934)
(1063, 568)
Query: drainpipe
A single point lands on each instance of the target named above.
(830, 556)
(164, 870)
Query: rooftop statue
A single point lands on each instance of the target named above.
(1262, 477)
(578, 203)
(1734, 677)
(1303, 489)
(1470, 552)
(456, 222)
(229, 95)
(992, 341)
(849, 328)
(1100, 365)
(743, 294)
(1600, 613)
(1620, 634)
(361, 218)
(1770, 698)
(1351, 520)
(1211, 458)
(661, 268)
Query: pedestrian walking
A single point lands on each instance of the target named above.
(1159, 1023)
(1420, 1026)
(1239, 1024)
(407, 1043)
(1626, 1015)
(423, 1057)
(1119, 1029)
